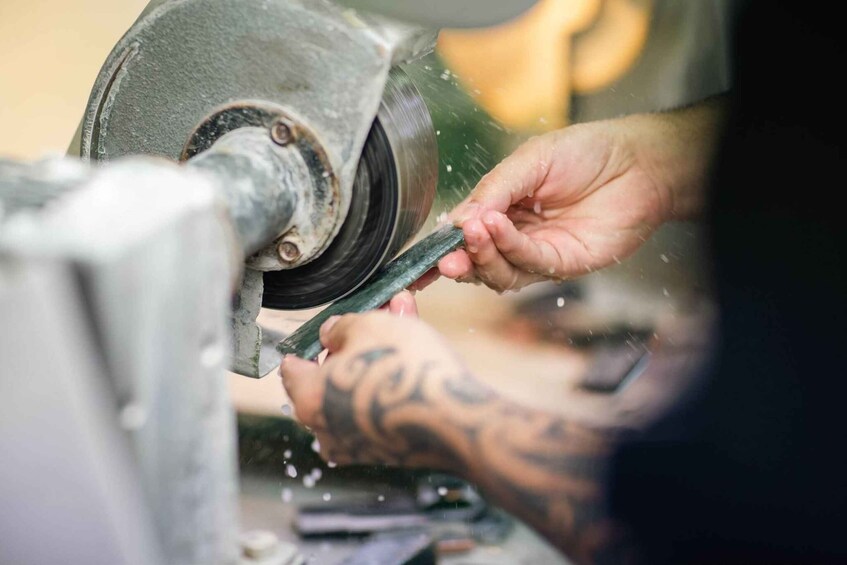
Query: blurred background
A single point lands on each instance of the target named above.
(563, 62)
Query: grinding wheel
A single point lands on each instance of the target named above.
(392, 196)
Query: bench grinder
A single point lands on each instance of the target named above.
(310, 92)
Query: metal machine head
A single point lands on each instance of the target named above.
(189, 72)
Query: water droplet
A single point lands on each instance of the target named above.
(449, 168)
(212, 356)
(560, 302)
(286, 454)
(287, 495)
(664, 258)
(327, 496)
(317, 473)
(286, 410)
(308, 481)
(316, 446)
(380, 498)
(133, 416)
(331, 464)
(291, 471)
(442, 491)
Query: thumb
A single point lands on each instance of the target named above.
(337, 329)
(515, 178)
(304, 385)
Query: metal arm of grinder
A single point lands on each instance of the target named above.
(116, 283)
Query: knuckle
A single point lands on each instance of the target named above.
(355, 322)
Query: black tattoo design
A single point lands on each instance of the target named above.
(548, 471)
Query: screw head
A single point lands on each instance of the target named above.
(259, 544)
(281, 133)
(288, 251)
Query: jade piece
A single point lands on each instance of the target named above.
(390, 280)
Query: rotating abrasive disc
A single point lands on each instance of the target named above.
(392, 196)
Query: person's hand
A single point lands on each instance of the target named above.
(576, 200)
(562, 205)
(392, 392)
(381, 394)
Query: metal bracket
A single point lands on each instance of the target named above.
(254, 347)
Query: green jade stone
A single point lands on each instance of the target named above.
(388, 281)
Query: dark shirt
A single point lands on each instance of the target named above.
(760, 474)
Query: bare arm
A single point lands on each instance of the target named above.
(677, 148)
(579, 199)
(392, 393)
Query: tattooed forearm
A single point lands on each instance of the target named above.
(548, 471)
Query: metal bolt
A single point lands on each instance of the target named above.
(281, 133)
(288, 251)
(259, 544)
